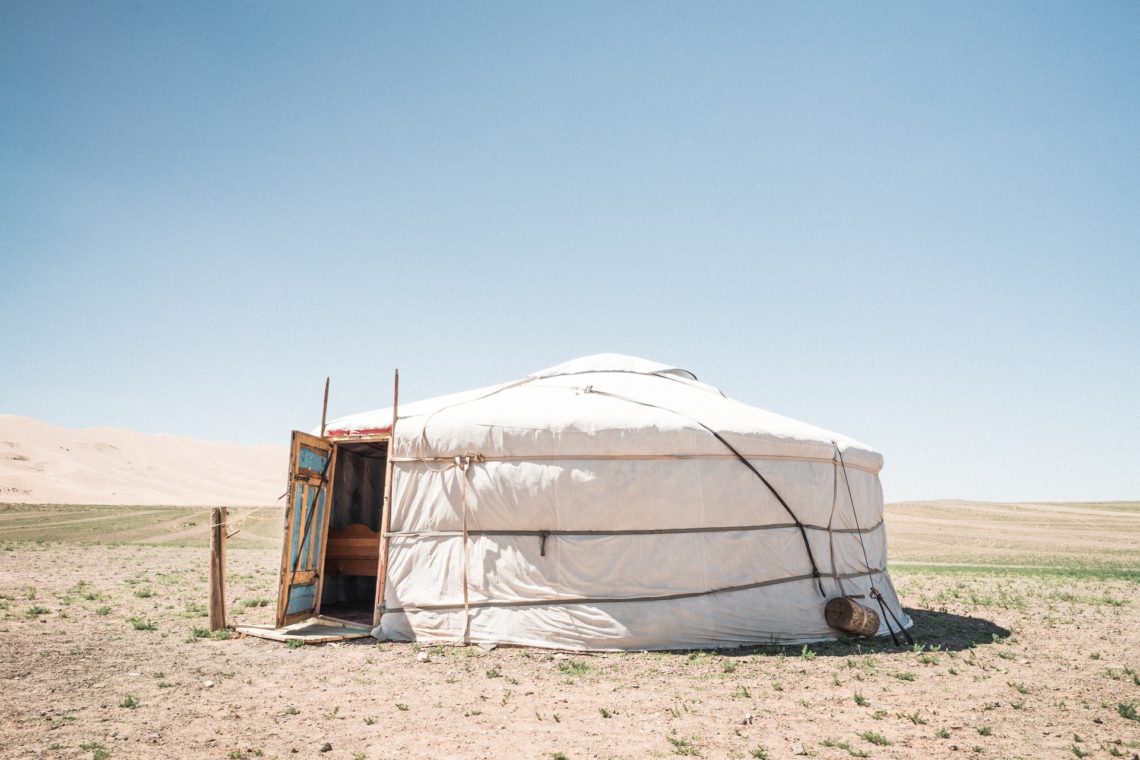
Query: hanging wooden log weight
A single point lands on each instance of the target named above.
(849, 616)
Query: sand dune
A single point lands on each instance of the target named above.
(42, 463)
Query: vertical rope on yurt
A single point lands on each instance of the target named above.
(464, 464)
(830, 520)
(875, 593)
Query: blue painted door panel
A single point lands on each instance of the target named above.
(306, 521)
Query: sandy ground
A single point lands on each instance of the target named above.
(105, 655)
(43, 463)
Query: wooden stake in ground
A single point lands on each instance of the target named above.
(218, 569)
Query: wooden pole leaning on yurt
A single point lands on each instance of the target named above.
(217, 606)
(386, 518)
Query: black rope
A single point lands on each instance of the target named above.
(883, 609)
(886, 608)
(796, 520)
(496, 604)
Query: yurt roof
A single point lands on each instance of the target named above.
(604, 405)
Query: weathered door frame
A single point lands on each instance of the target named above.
(337, 443)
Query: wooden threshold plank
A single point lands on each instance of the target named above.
(313, 631)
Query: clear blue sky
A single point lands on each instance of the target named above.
(917, 224)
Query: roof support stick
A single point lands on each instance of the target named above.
(386, 518)
(325, 408)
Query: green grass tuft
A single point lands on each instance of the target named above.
(874, 738)
(683, 747)
(573, 668)
(142, 624)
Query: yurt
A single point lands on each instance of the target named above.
(607, 503)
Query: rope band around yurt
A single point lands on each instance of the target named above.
(447, 460)
(555, 602)
(546, 533)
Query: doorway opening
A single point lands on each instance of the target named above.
(352, 554)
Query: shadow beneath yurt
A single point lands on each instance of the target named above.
(942, 631)
(937, 631)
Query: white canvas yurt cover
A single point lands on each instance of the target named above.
(610, 502)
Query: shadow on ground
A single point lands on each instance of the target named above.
(953, 632)
(932, 630)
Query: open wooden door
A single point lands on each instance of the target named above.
(306, 518)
